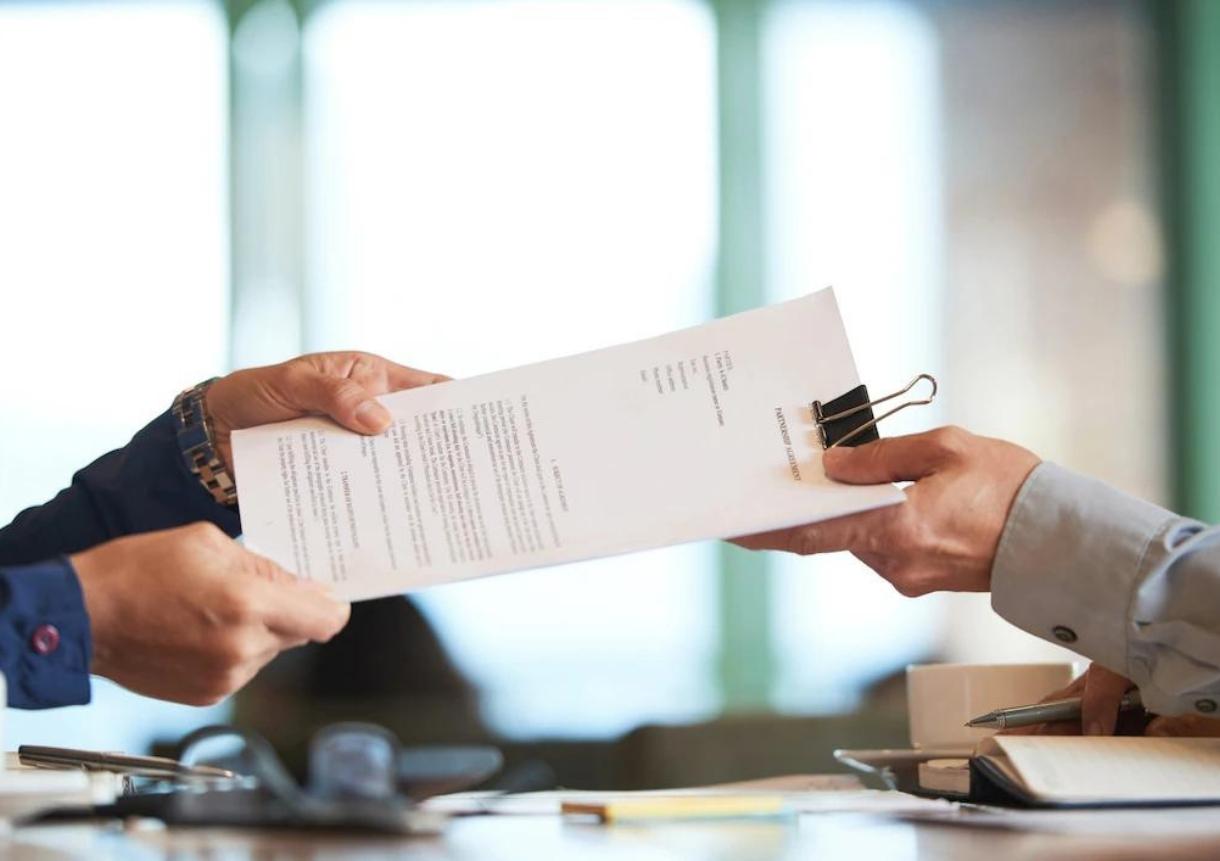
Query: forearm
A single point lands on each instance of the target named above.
(45, 640)
(1124, 582)
(141, 487)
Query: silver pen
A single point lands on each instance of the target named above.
(93, 760)
(1044, 712)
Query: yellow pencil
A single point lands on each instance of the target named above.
(679, 807)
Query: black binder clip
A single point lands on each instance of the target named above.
(849, 419)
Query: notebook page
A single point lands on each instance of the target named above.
(1075, 769)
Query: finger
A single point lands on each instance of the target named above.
(903, 458)
(1162, 726)
(293, 610)
(1054, 727)
(1183, 726)
(343, 399)
(1059, 727)
(263, 567)
(378, 375)
(1075, 689)
(399, 377)
(854, 532)
(1103, 693)
(300, 611)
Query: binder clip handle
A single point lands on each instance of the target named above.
(849, 419)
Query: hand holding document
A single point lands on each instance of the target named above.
(701, 433)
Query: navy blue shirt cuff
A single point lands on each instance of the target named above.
(45, 641)
(142, 487)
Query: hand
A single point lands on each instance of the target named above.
(188, 615)
(1100, 691)
(946, 533)
(340, 385)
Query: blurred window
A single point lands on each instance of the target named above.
(113, 261)
(977, 181)
(494, 183)
(851, 95)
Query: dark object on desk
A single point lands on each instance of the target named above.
(849, 420)
(359, 779)
(386, 666)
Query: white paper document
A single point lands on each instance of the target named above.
(702, 433)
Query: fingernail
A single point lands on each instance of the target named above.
(833, 456)
(1094, 728)
(372, 416)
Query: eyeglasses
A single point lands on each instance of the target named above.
(347, 762)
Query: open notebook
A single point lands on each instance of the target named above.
(1068, 771)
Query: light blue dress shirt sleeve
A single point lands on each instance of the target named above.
(1124, 582)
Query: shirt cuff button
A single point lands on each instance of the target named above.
(1064, 634)
(1206, 706)
(45, 639)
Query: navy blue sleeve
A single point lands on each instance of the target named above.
(45, 640)
(44, 635)
(141, 487)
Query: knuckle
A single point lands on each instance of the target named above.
(342, 390)
(293, 372)
(203, 697)
(888, 539)
(903, 587)
(803, 541)
(238, 607)
(950, 440)
(230, 652)
(878, 542)
(907, 581)
(213, 688)
(204, 532)
(221, 686)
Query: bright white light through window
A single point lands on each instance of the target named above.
(853, 189)
(113, 262)
(493, 183)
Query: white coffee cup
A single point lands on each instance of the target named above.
(941, 698)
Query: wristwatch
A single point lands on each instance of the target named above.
(195, 440)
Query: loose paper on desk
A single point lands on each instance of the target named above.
(701, 433)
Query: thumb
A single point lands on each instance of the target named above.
(1103, 691)
(345, 401)
(902, 458)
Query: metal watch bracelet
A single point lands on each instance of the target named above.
(196, 442)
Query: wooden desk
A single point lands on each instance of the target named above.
(825, 837)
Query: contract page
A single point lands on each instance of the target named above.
(701, 433)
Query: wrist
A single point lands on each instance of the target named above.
(90, 574)
(203, 449)
(219, 430)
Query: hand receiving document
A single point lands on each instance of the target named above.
(701, 433)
